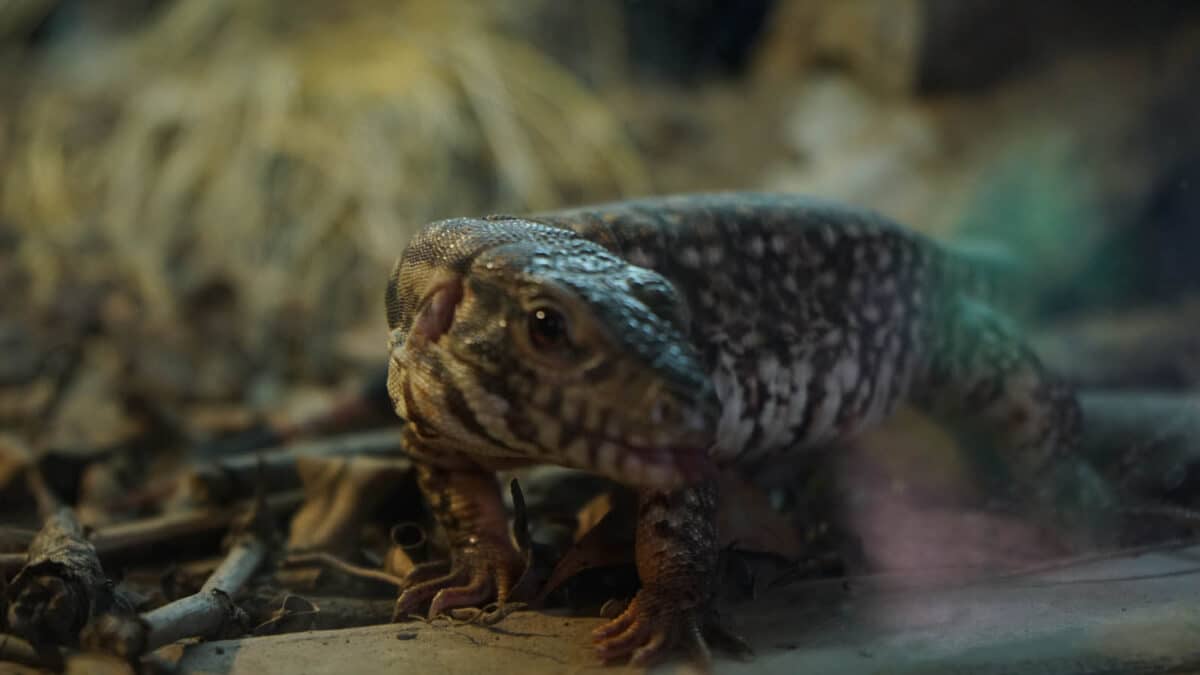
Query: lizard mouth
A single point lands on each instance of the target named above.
(691, 464)
(666, 457)
(655, 466)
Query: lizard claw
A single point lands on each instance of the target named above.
(480, 588)
(651, 626)
(480, 573)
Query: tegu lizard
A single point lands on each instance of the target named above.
(660, 341)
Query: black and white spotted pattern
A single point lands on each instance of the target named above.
(812, 318)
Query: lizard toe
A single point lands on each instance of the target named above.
(480, 588)
(622, 645)
(649, 630)
(650, 651)
(644, 632)
(416, 595)
(479, 574)
(427, 571)
(617, 625)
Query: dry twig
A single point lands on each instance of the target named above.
(287, 612)
(210, 612)
(61, 586)
(349, 569)
(274, 469)
(136, 536)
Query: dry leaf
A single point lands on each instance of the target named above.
(340, 493)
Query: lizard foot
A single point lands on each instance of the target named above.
(481, 571)
(653, 625)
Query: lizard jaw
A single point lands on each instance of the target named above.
(660, 467)
(669, 467)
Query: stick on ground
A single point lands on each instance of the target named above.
(134, 538)
(220, 479)
(210, 612)
(61, 586)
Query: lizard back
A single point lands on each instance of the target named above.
(812, 317)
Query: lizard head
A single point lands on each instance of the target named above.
(512, 339)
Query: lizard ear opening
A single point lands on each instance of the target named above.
(437, 311)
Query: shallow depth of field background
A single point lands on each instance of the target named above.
(200, 199)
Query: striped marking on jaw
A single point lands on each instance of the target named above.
(646, 466)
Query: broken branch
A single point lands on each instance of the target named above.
(61, 586)
(287, 612)
(134, 537)
(137, 537)
(275, 469)
(347, 568)
(208, 613)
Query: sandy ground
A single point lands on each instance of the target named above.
(1138, 614)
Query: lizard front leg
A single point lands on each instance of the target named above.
(465, 500)
(677, 562)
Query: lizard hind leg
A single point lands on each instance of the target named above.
(982, 373)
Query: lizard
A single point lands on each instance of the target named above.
(663, 340)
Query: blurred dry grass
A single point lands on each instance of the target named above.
(288, 150)
(17, 16)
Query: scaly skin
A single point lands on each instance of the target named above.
(660, 341)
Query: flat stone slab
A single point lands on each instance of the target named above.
(1133, 614)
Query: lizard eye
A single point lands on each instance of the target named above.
(547, 328)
